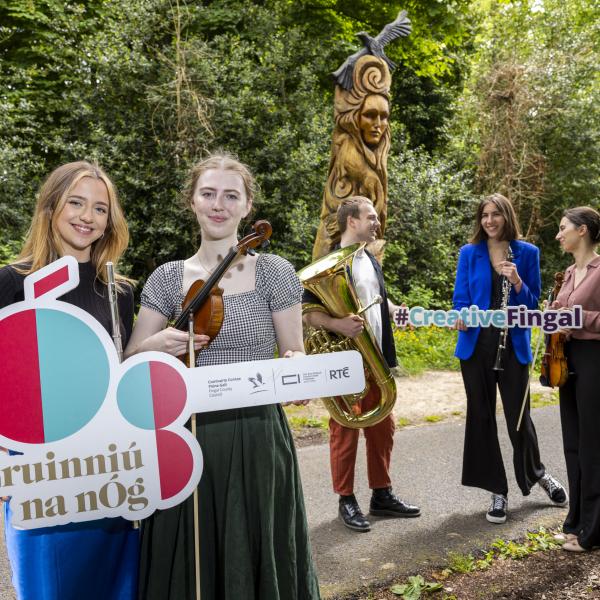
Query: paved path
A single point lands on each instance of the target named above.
(426, 468)
(426, 471)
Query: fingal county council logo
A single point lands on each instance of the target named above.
(258, 384)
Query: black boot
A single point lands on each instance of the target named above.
(351, 515)
(385, 504)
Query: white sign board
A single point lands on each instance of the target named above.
(102, 439)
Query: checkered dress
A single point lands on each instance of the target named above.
(253, 532)
(247, 332)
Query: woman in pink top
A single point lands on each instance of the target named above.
(579, 234)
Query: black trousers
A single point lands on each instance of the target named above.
(580, 418)
(482, 458)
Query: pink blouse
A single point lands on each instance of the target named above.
(586, 295)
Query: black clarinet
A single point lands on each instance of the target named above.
(503, 339)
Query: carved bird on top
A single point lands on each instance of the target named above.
(373, 45)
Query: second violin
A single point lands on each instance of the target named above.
(554, 371)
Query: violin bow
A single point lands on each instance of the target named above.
(535, 354)
(523, 404)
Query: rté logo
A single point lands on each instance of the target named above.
(339, 373)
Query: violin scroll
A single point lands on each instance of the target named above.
(261, 232)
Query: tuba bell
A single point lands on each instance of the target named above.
(330, 280)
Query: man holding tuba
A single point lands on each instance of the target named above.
(358, 223)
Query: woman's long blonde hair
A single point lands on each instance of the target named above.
(43, 244)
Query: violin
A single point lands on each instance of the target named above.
(554, 370)
(202, 309)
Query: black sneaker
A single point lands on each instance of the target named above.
(351, 515)
(497, 510)
(556, 492)
(385, 504)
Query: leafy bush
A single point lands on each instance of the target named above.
(426, 227)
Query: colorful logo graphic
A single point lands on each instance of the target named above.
(54, 378)
(151, 395)
(97, 438)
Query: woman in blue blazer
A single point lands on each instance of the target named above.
(482, 265)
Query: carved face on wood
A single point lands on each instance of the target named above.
(373, 119)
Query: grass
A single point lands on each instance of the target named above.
(426, 348)
(538, 399)
(433, 418)
(432, 349)
(313, 422)
(403, 422)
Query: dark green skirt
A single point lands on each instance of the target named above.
(253, 533)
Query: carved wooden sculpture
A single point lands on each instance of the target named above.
(361, 136)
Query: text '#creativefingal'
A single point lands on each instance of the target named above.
(549, 321)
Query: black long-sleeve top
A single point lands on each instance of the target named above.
(90, 295)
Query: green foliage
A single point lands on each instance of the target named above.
(17, 191)
(486, 561)
(510, 549)
(425, 348)
(461, 563)
(425, 228)
(541, 540)
(300, 422)
(555, 46)
(145, 87)
(536, 541)
(415, 588)
(9, 251)
(538, 400)
(465, 563)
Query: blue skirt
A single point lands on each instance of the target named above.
(96, 560)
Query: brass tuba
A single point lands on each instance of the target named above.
(330, 279)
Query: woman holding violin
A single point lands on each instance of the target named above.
(579, 235)
(495, 270)
(252, 524)
(77, 214)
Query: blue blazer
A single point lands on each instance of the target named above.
(474, 286)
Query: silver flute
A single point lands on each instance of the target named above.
(506, 288)
(114, 309)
